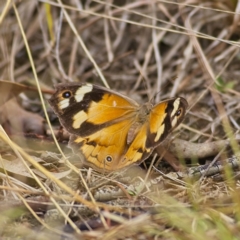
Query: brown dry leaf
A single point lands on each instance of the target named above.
(9, 90)
(16, 169)
(17, 120)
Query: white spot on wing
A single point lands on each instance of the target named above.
(64, 103)
(79, 95)
(114, 103)
(159, 133)
(174, 122)
(175, 106)
(78, 119)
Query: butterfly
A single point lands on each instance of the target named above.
(110, 131)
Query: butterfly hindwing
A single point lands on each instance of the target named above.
(103, 149)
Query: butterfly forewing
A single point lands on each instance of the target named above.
(163, 118)
(90, 108)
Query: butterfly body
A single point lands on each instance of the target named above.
(109, 130)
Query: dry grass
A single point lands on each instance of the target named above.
(145, 49)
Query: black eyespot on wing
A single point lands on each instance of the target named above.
(67, 94)
(179, 112)
(108, 158)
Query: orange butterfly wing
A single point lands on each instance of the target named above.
(103, 149)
